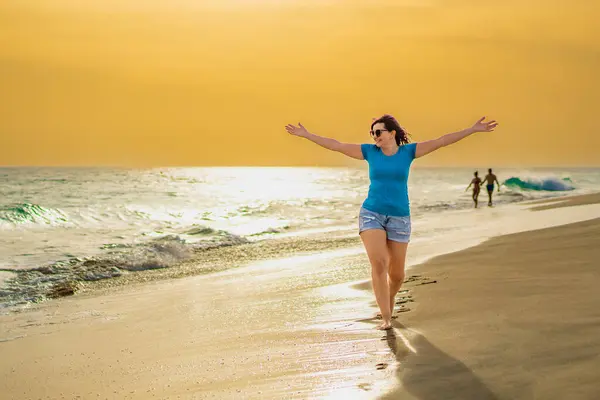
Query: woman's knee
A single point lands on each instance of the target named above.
(397, 273)
(380, 265)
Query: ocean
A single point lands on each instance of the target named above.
(53, 220)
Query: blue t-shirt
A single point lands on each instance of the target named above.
(388, 191)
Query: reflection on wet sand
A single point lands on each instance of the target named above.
(426, 372)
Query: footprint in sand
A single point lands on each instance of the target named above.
(419, 280)
(404, 299)
(381, 366)
(378, 316)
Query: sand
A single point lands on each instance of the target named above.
(513, 318)
(567, 202)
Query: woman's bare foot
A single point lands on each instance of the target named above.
(385, 325)
(378, 316)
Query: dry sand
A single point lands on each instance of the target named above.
(517, 317)
(567, 202)
(514, 318)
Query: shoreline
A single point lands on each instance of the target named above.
(98, 276)
(283, 327)
(566, 201)
(201, 262)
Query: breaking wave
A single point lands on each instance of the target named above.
(545, 184)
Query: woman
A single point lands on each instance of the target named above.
(476, 182)
(384, 218)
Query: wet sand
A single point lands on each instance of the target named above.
(513, 318)
(273, 329)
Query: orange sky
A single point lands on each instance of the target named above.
(149, 83)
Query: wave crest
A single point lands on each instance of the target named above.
(32, 213)
(540, 184)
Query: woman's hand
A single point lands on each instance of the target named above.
(424, 148)
(481, 126)
(296, 130)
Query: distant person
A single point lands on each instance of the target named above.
(384, 222)
(476, 182)
(490, 178)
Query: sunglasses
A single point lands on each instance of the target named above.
(377, 132)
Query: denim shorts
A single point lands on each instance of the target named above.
(397, 228)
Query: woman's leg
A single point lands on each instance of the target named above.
(397, 251)
(375, 244)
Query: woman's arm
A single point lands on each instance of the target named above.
(424, 148)
(351, 150)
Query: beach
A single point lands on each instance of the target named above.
(513, 317)
(182, 186)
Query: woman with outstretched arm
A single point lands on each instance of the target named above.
(384, 218)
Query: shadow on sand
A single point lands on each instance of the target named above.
(427, 373)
